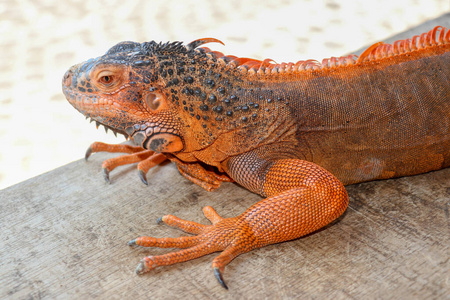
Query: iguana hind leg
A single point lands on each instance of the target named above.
(302, 197)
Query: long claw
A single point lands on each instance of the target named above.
(106, 175)
(132, 243)
(160, 221)
(88, 153)
(143, 177)
(142, 268)
(219, 277)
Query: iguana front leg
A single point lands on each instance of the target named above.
(301, 198)
(147, 159)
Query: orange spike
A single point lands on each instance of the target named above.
(238, 61)
(441, 34)
(251, 63)
(423, 40)
(433, 35)
(436, 36)
(217, 54)
(267, 62)
(194, 44)
(367, 52)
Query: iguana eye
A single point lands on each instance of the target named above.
(105, 77)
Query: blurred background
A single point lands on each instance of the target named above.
(41, 39)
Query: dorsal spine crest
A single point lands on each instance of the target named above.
(435, 37)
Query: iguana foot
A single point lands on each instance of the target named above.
(146, 159)
(285, 216)
(231, 235)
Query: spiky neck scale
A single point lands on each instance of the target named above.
(215, 98)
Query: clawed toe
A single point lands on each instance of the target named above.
(143, 177)
(106, 175)
(226, 235)
(219, 277)
(142, 268)
(88, 153)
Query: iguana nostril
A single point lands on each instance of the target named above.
(67, 78)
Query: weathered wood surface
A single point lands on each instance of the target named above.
(64, 235)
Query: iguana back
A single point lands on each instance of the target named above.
(385, 118)
(384, 115)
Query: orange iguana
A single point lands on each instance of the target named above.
(295, 133)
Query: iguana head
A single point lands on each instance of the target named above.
(166, 97)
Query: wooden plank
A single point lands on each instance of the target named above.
(64, 235)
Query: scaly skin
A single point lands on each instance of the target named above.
(283, 131)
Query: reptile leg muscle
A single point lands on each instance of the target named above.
(302, 197)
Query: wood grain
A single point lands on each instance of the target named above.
(64, 235)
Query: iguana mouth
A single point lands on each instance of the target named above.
(80, 102)
(115, 131)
